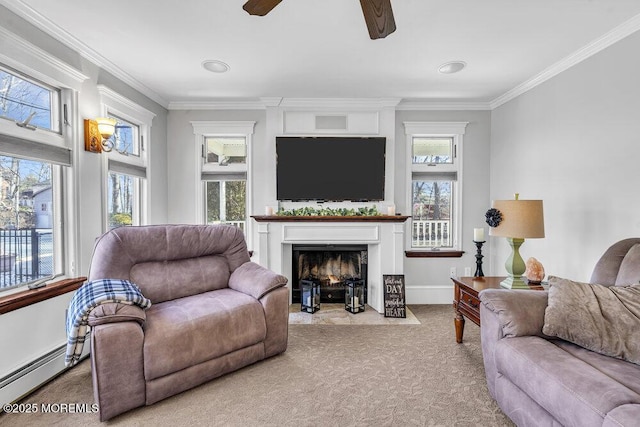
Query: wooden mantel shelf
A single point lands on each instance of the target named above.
(323, 218)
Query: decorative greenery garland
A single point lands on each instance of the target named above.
(308, 211)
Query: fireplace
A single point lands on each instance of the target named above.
(331, 265)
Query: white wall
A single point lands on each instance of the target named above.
(427, 279)
(574, 142)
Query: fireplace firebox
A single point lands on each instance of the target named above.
(332, 266)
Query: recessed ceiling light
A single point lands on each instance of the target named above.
(452, 67)
(215, 66)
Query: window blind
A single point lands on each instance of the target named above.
(18, 147)
(127, 169)
(211, 176)
(435, 176)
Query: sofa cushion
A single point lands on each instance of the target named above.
(123, 249)
(602, 319)
(187, 331)
(607, 268)
(574, 390)
(520, 312)
(166, 280)
(629, 272)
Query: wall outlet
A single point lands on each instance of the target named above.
(453, 272)
(467, 271)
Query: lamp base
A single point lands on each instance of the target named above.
(515, 266)
(512, 282)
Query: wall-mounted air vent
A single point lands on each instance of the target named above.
(331, 122)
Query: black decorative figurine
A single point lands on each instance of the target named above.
(479, 257)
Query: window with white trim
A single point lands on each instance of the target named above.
(127, 163)
(33, 156)
(29, 102)
(224, 172)
(435, 159)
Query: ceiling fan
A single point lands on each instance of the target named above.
(377, 14)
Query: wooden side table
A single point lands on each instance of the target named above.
(466, 301)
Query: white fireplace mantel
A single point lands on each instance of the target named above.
(383, 235)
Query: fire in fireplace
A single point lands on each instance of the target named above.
(331, 265)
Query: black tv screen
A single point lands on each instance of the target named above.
(330, 168)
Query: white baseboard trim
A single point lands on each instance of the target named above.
(33, 375)
(429, 294)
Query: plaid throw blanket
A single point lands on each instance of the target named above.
(86, 298)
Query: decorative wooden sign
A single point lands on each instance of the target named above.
(394, 303)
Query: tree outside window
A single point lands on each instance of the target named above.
(23, 100)
(431, 213)
(121, 200)
(226, 202)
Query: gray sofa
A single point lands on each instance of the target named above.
(539, 380)
(213, 311)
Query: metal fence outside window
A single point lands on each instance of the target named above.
(25, 255)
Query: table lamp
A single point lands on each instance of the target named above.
(516, 220)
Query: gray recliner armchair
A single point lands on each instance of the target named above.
(213, 311)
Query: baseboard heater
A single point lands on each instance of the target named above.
(33, 375)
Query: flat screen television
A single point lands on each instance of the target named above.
(330, 168)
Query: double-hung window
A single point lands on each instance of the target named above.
(435, 159)
(127, 163)
(224, 170)
(33, 156)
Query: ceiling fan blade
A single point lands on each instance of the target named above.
(379, 18)
(260, 7)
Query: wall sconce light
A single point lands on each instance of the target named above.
(97, 134)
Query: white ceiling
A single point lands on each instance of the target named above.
(321, 48)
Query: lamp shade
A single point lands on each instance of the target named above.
(520, 219)
(106, 126)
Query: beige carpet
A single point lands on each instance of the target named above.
(335, 314)
(356, 375)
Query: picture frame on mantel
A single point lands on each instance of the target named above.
(394, 296)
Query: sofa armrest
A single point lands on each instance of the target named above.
(116, 312)
(507, 313)
(519, 312)
(117, 367)
(255, 280)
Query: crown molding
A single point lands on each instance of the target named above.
(46, 25)
(288, 103)
(340, 103)
(15, 47)
(327, 104)
(620, 32)
(226, 104)
(420, 105)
